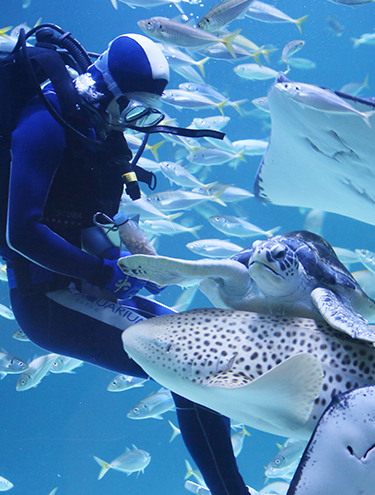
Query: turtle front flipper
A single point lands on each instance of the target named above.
(341, 316)
(170, 271)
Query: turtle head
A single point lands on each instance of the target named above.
(275, 268)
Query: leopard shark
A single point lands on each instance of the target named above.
(273, 373)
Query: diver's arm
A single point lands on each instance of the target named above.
(37, 148)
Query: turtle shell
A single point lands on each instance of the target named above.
(319, 259)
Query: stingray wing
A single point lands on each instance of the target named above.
(317, 159)
(340, 457)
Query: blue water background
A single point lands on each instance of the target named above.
(50, 434)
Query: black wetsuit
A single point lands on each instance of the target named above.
(57, 183)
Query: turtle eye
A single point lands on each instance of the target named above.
(279, 253)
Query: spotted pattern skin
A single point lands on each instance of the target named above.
(196, 345)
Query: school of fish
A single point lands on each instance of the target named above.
(195, 201)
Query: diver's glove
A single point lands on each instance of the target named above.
(120, 285)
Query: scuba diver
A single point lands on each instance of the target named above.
(66, 160)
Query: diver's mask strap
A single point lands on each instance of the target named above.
(179, 131)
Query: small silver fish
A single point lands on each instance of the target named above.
(38, 369)
(169, 228)
(367, 258)
(335, 26)
(123, 382)
(5, 484)
(181, 176)
(320, 99)
(202, 89)
(217, 122)
(65, 364)
(213, 156)
(185, 299)
(230, 193)
(365, 39)
(251, 147)
(193, 472)
(238, 439)
(3, 272)
(285, 462)
(189, 73)
(301, 63)
(238, 227)
(314, 221)
(352, 2)
(290, 49)
(347, 256)
(261, 103)
(224, 13)
(183, 35)
(6, 312)
(148, 3)
(355, 88)
(177, 58)
(144, 209)
(152, 406)
(20, 335)
(188, 99)
(366, 280)
(267, 13)
(179, 200)
(10, 364)
(214, 248)
(254, 72)
(131, 461)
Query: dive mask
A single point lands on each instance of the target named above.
(138, 114)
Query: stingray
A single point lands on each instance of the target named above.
(320, 158)
(340, 457)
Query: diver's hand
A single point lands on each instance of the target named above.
(120, 285)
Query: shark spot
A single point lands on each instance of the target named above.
(346, 360)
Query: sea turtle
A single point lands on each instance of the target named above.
(296, 274)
